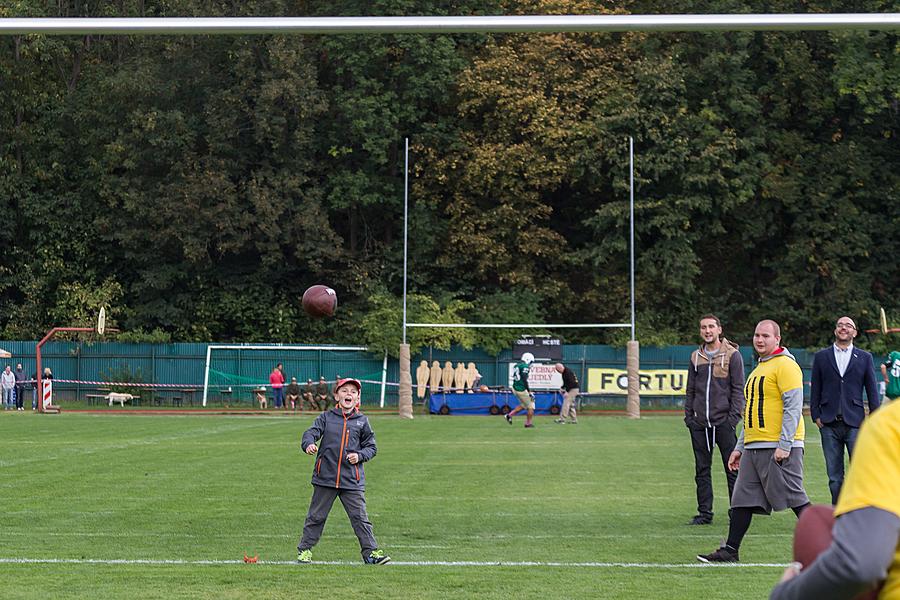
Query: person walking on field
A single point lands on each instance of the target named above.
(342, 440)
(570, 391)
(840, 373)
(521, 390)
(769, 450)
(713, 403)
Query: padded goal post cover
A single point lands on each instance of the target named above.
(480, 403)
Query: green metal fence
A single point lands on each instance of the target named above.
(182, 364)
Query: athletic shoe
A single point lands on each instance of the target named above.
(724, 554)
(509, 419)
(377, 557)
(701, 520)
(304, 557)
(529, 424)
(560, 421)
(573, 422)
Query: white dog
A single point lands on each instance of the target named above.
(120, 398)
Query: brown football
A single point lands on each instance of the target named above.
(813, 536)
(813, 533)
(319, 301)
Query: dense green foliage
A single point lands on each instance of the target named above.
(87, 490)
(197, 185)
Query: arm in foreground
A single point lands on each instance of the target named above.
(860, 553)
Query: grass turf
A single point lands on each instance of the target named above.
(79, 487)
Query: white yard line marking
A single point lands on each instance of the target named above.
(416, 563)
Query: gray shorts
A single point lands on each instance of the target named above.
(765, 485)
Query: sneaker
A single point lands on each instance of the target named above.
(377, 557)
(560, 421)
(304, 557)
(724, 554)
(701, 520)
(508, 419)
(573, 422)
(529, 424)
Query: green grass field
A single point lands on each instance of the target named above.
(93, 506)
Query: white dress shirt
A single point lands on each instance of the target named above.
(842, 357)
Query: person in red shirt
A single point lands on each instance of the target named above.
(276, 380)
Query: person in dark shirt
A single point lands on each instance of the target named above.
(570, 393)
(293, 394)
(322, 394)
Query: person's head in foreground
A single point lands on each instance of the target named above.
(346, 394)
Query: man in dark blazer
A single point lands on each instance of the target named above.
(840, 373)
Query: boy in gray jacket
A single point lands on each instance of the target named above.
(345, 441)
(713, 403)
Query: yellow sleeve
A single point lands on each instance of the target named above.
(790, 376)
(874, 475)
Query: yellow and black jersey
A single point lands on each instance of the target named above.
(764, 398)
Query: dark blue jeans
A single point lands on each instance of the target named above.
(836, 436)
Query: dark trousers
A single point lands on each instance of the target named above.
(703, 441)
(20, 396)
(835, 437)
(354, 502)
(278, 396)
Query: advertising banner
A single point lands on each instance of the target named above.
(653, 382)
(541, 376)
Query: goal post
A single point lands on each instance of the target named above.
(278, 353)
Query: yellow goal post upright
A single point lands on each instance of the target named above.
(632, 406)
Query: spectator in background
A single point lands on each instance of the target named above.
(34, 396)
(322, 394)
(8, 385)
(570, 392)
(34, 391)
(293, 394)
(276, 380)
(840, 373)
(308, 396)
(20, 387)
(713, 402)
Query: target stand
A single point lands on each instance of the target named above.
(45, 405)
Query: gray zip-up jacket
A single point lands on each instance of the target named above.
(337, 435)
(714, 395)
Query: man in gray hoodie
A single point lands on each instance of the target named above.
(714, 401)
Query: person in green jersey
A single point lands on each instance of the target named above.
(890, 370)
(521, 391)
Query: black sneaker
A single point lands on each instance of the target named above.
(508, 419)
(377, 557)
(701, 520)
(724, 554)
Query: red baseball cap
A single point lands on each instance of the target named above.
(342, 382)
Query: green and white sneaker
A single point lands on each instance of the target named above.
(377, 557)
(304, 557)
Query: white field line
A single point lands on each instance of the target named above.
(290, 536)
(415, 563)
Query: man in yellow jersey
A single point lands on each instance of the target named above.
(865, 550)
(769, 450)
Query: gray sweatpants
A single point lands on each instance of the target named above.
(354, 502)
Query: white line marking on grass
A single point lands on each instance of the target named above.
(414, 563)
